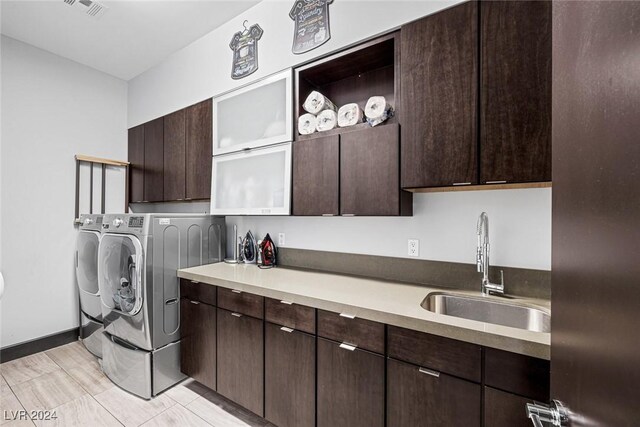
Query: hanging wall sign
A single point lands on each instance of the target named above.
(311, 19)
(245, 51)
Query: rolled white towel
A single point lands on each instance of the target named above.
(307, 124)
(377, 110)
(327, 120)
(317, 102)
(349, 115)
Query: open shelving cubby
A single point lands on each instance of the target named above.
(353, 75)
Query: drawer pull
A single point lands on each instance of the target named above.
(429, 372)
(327, 215)
(348, 214)
(236, 291)
(284, 328)
(461, 183)
(194, 302)
(236, 314)
(496, 182)
(347, 346)
(195, 281)
(286, 302)
(348, 316)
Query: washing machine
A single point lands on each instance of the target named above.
(138, 259)
(87, 243)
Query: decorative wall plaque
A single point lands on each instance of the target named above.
(245, 51)
(312, 29)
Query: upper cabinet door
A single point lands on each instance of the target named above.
(174, 156)
(198, 175)
(316, 176)
(252, 182)
(369, 172)
(516, 91)
(136, 167)
(439, 98)
(254, 116)
(154, 160)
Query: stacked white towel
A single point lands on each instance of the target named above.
(377, 110)
(317, 102)
(307, 124)
(327, 120)
(349, 115)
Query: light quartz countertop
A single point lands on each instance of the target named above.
(393, 303)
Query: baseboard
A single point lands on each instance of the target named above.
(37, 345)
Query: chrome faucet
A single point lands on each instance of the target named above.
(482, 258)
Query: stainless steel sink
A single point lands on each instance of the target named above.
(490, 310)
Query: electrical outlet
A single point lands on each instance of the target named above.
(280, 239)
(414, 247)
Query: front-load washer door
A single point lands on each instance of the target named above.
(87, 273)
(121, 277)
(121, 267)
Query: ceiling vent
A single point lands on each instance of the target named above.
(88, 7)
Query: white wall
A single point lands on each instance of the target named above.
(444, 222)
(52, 109)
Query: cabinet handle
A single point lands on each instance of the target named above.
(286, 302)
(328, 215)
(346, 214)
(496, 182)
(284, 328)
(195, 302)
(193, 281)
(236, 291)
(347, 346)
(429, 372)
(236, 314)
(461, 183)
(348, 316)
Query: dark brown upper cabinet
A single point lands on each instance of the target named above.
(370, 173)
(174, 156)
(136, 167)
(353, 75)
(439, 99)
(515, 113)
(316, 176)
(198, 151)
(154, 160)
(171, 156)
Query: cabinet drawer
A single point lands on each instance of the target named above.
(516, 373)
(196, 291)
(241, 302)
(453, 357)
(290, 315)
(363, 333)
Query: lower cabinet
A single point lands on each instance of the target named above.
(350, 387)
(502, 409)
(290, 377)
(198, 344)
(240, 368)
(421, 397)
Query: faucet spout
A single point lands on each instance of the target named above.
(482, 256)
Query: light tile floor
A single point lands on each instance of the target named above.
(69, 381)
